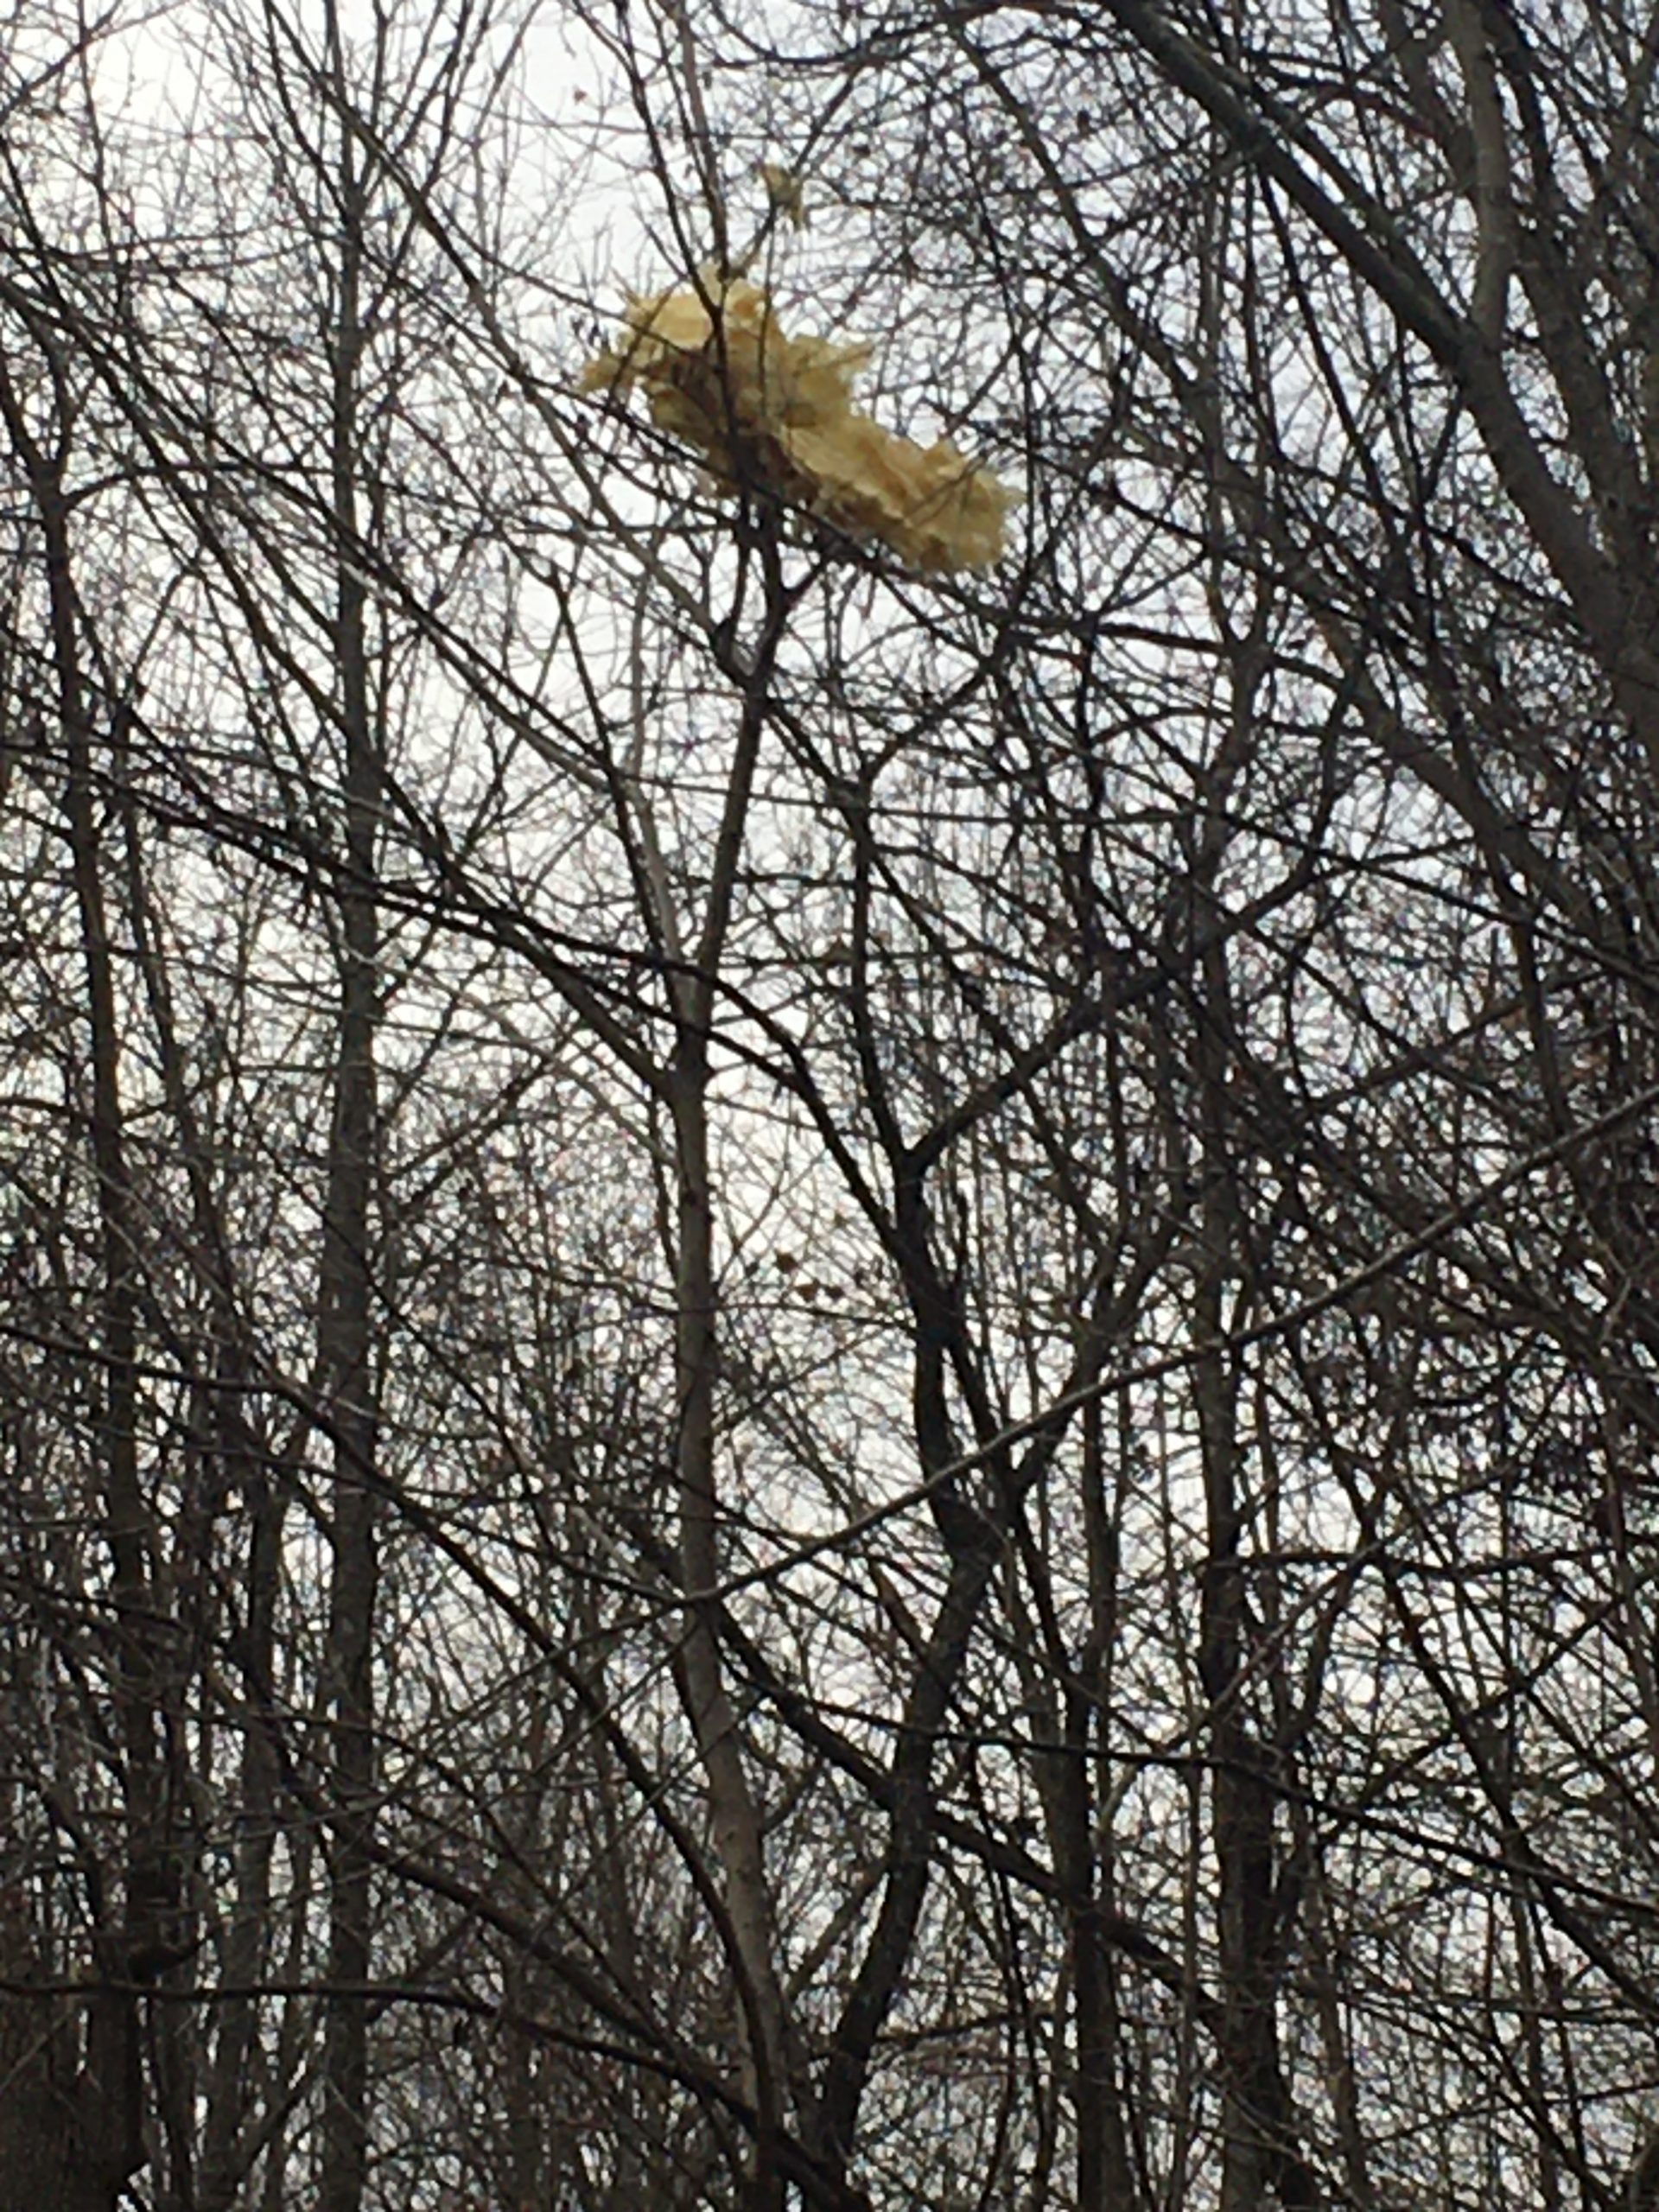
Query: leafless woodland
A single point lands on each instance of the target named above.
(825, 1388)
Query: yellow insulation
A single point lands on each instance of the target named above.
(721, 376)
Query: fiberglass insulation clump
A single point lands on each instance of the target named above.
(761, 407)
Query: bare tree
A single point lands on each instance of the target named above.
(831, 1381)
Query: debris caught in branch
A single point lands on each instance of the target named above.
(767, 411)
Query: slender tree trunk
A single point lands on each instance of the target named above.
(345, 1322)
(734, 1816)
(247, 1937)
(234, 1462)
(93, 2110)
(1261, 2157)
(770, 2079)
(1105, 2178)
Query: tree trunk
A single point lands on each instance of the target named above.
(81, 2116)
(69, 2105)
(345, 1331)
(734, 1816)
